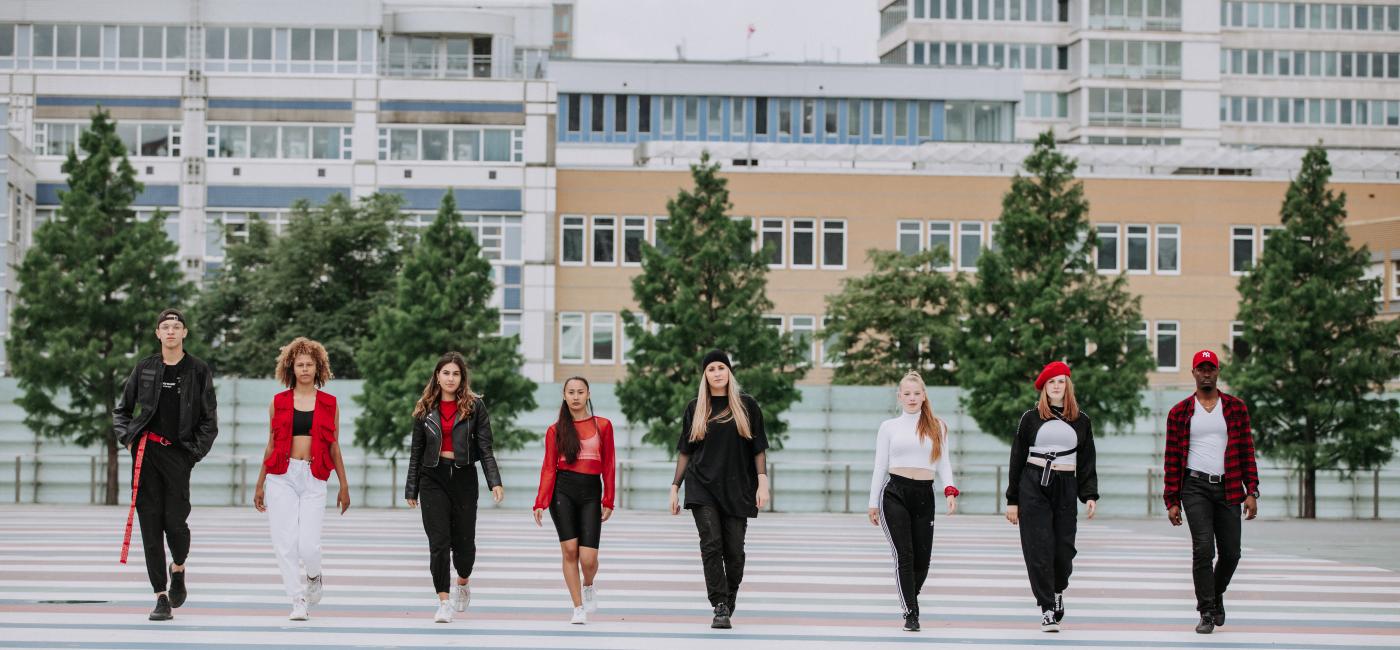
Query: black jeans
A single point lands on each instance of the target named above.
(163, 507)
(1048, 523)
(721, 552)
(448, 500)
(1215, 527)
(906, 514)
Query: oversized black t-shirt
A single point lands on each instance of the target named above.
(167, 417)
(721, 472)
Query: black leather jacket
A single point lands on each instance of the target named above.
(471, 441)
(199, 421)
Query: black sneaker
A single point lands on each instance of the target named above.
(1207, 624)
(721, 621)
(1219, 611)
(911, 622)
(1059, 607)
(177, 587)
(162, 610)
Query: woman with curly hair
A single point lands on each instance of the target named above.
(301, 452)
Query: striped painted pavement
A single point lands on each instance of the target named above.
(812, 581)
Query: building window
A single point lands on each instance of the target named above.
(573, 104)
(738, 117)
(1137, 236)
(809, 117)
(429, 144)
(804, 243)
(940, 235)
(668, 116)
(831, 353)
(512, 284)
(1168, 249)
(603, 335)
(595, 118)
(877, 118)
(1106, 258)
(830, 117)
(804, 330)
(571, 337)
(1238, 348)
(1167, 344)
(571, 238)
(634, 233)
(760, 116)
(909, 237)
(969, 244)
(771, 240)
(619, 113)
(1241, 249)
(853, 108)
(644, 113)
(833, 244)
(714, 123)
(784, 117)
(1376, 271)
(604, 240)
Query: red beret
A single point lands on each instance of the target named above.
(1052, 370)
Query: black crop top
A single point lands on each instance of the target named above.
(301, 422)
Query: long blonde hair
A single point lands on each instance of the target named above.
(432, 393)
(929, 428)
(735, 411)
(1071, 406)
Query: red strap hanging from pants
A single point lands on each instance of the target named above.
(135, 485)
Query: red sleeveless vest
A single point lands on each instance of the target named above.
(323, 433)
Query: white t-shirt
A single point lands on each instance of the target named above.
(1209, 435)
(898, 445)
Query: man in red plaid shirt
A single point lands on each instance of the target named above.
(1209, 469)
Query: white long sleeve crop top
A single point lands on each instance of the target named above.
(898, 445)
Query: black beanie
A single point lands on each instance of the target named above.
(713, 356)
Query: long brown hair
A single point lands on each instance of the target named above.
(565, 433)
(734, 411)
(1071, 406)
(929, 428)
(432, 393)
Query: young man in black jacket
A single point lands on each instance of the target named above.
(166, 417)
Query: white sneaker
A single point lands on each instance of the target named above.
(444, 612)
(1048, 622)
(299, 612)
(580, 616)
(590, 599)
(461, 597)
(313, 590)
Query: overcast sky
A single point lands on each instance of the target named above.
(784, 30)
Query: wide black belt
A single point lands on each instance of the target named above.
(1049, 458)
(1210, 478)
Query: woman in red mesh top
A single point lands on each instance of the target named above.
(577, 486)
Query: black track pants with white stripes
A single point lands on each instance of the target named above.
(906, 515)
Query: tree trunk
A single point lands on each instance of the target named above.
(110, 498)
(1309, 491)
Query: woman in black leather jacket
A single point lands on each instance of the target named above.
(441, 475)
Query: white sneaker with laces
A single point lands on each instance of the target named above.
(590, 599)
(1048, 622)
(313, 590)
(299, 612)
(444, 612)
(461, 597)
(580, 616)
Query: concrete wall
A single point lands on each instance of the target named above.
(831, 437)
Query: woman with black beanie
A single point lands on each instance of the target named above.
(723, 463)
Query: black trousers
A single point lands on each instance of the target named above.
(163, 507)
(1048, 523)
(721, 552)
(1215, 527)
(447, 497)
(906, 515)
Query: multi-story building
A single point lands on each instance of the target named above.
(1188, 72)
(829, 161)
(232, 111)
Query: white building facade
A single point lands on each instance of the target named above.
(233, 111)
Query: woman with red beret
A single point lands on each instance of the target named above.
(1057, 441)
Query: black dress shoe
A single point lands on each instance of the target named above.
(1207, 624)
(177, 588)
(911, 622)
(162, 610)
(721, 621)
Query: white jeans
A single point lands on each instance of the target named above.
(296, 503)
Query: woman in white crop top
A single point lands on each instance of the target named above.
(909, 451)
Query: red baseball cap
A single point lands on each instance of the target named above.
(1052, 370)
(1205, 356)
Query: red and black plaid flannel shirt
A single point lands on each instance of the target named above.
(1241, 475)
